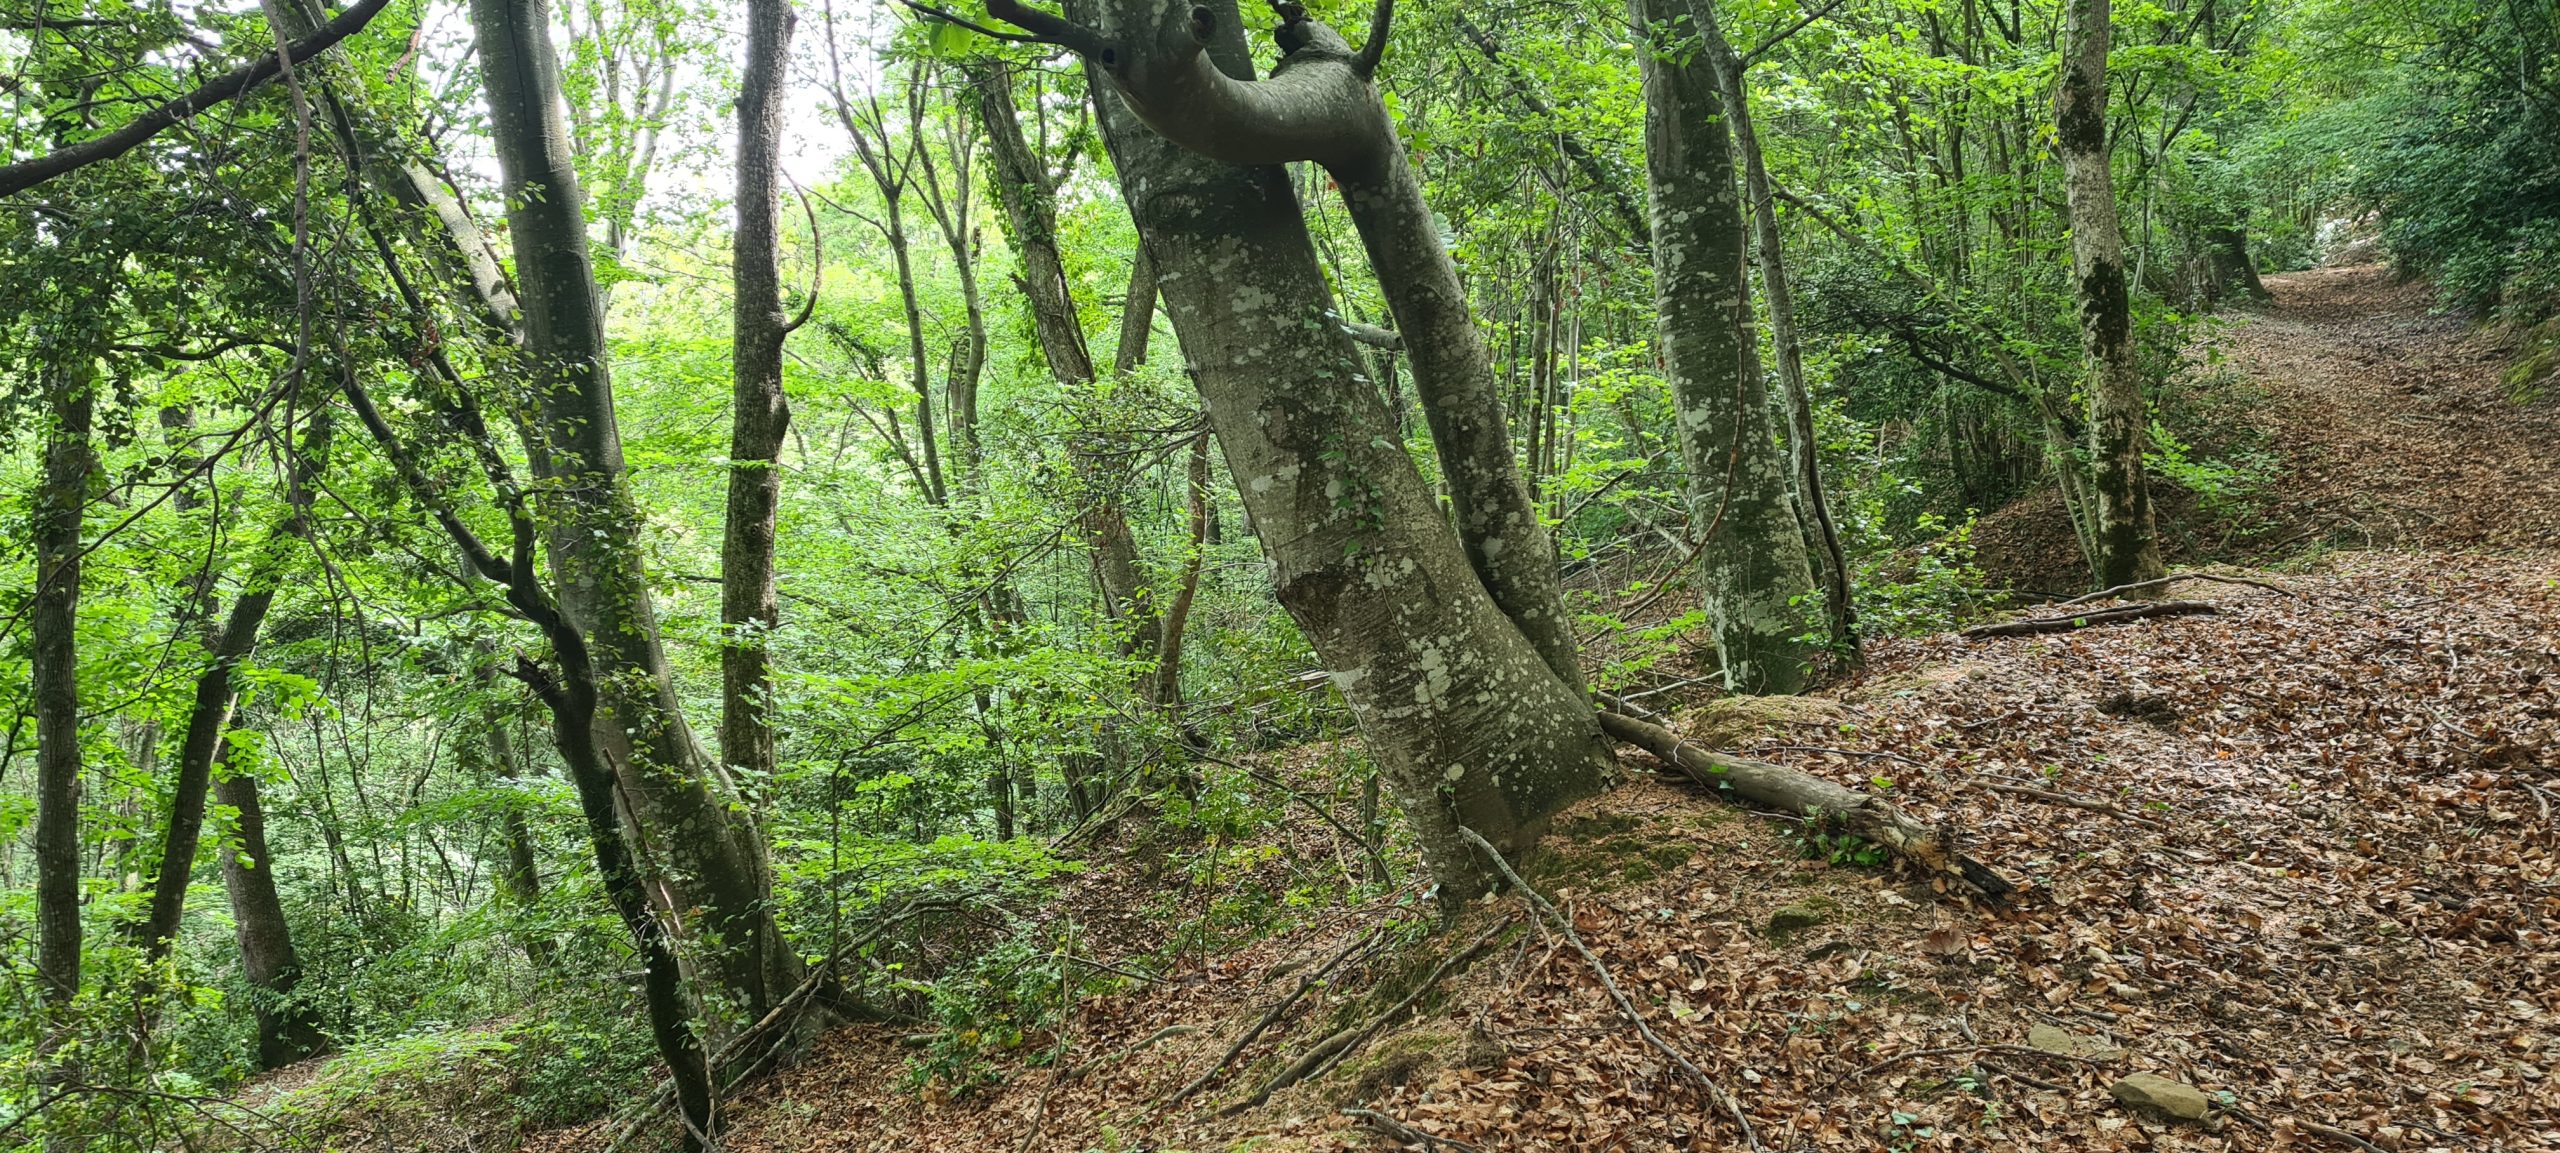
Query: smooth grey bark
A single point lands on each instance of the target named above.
(288, 1026)
(760, 412)
(1466, 719)
(1137, 316)
(1831, 561)
(54, 659)
(679, 797)
(209, 713)
(2128, 546)
(1752, 551)
(1320, 105)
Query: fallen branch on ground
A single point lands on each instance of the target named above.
(2160, 582)
(1805, 795)
(1305, 983)
(1398, 1130)
(2089, 803)
(1447, 965)
(1564, 926)
(771, 1025)
(2113, 616)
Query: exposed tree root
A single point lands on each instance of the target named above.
(1805, 795)
(2118, 615)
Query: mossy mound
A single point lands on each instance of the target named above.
(1738, 722)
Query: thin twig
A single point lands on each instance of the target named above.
(2171, 579)
(1696, 1075)
(1406, 1133)
(1304, 983)
(2089, 803)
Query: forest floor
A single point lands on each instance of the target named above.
(2299, 856)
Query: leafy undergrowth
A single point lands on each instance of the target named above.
(2314, 880)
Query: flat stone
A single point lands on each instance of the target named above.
(2174, 1099)
(2064, 1042)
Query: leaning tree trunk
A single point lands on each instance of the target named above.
(2128, 545)
(53, 659)
(1466, 719)
(288, 1024)
(209, 713)
(1753, 551)
(760, 414)
(683, 799)
(1831, 561)
(572, 695)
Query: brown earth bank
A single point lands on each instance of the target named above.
(2288, 874)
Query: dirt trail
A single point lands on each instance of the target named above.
(2302, 855)
(2395, 428)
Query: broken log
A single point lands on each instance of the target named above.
(2118, 615)
(1804, 795)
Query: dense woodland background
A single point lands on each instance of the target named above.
(556, 605)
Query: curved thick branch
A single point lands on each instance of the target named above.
(230, 85)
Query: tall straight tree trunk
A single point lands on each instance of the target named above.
(760, 414)
(1753, 553)
(54, 660)
(209, 714)
(288, 1025)
(2128, 547)
(1831, 561)
(683, 799)
(1464, 715)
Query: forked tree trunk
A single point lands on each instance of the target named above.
(760, 413)
(1753, 562)
(1466, 719)
(684, 799)
(1320, 105)
(53, 659)
(2128, 547)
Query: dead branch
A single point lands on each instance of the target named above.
(1805, 795)
(1398, 1130)
(1627, 1008)
(1305, 983)
(2158, 582)
(1447, 965)
(2035, 625)
(1133, 1048)
(2091, 804)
